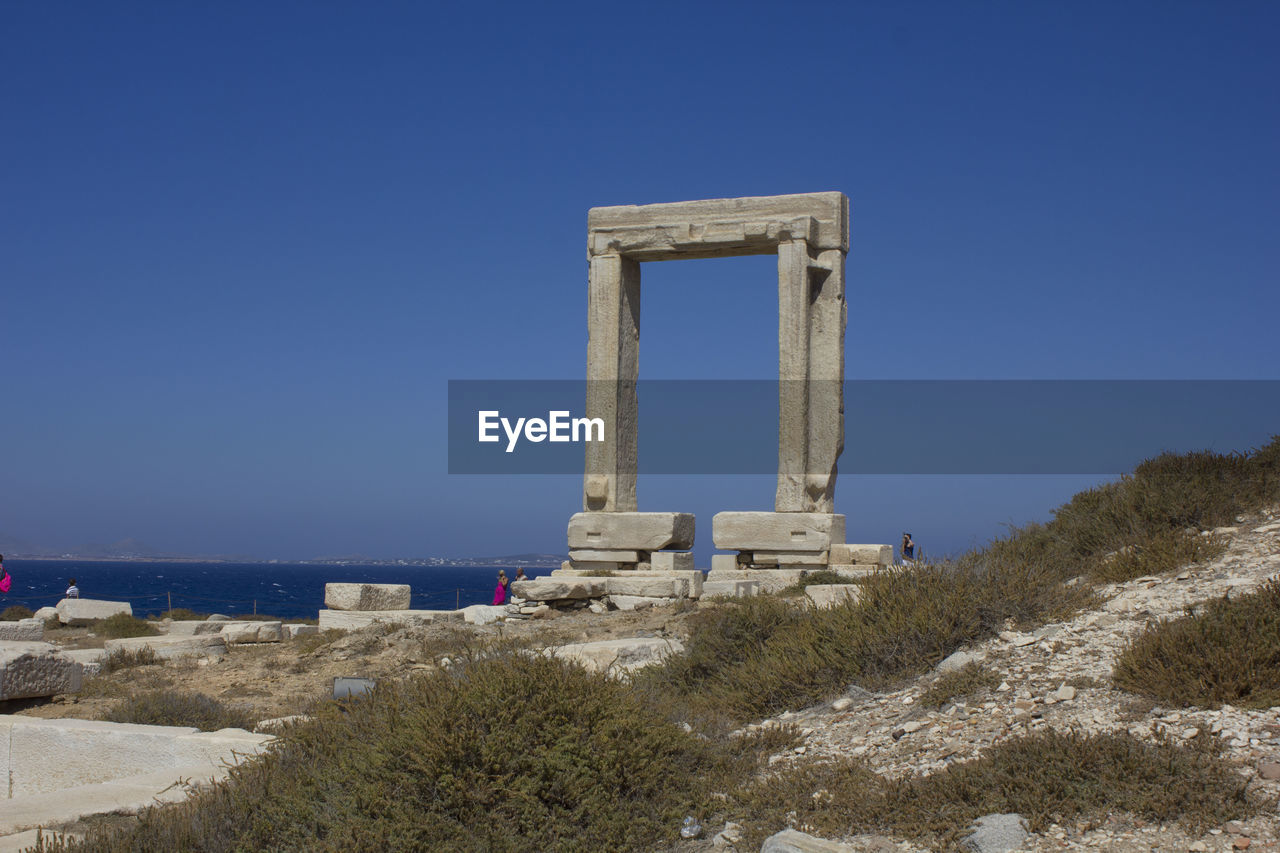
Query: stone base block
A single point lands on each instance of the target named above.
(725, 563)
(366, 596)
(603, 555)
(354, 620)
(559, 588)
(777, 531)
(170, 646)
(789, 558)
(237, 631)
(729, 589)
(876, 555)
(832, 594)
(292, 631)
(33, 669)
(22, 630)
(90, 661)
(631, 531)
(82, 611)
(656, 585)
(671, 561)
(860, 570)
(638, 602)
(190, 627)
(585, 566)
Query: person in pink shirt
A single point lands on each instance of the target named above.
(500, 592)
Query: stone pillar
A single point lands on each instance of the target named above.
(811, 324)
(613, 366)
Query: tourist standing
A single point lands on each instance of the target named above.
(500, 592)
(5, 580)
(73, 591)
(908, 548)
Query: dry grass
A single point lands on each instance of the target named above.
(175, 708)
(1227, 651)
(14, 612)
(969, 680)
(123, 625)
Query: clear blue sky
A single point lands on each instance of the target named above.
(243, 246)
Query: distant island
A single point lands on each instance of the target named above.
(134, 550)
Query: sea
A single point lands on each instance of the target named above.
(283, 590)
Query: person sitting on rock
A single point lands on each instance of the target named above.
(73, 591)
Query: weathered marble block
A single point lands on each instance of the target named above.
(790, 558)
(777, 531)
(878, 555)
(559, 588)
(22, 630)
(631, 531)
(603, 555)
(238, 631)
(352, 620)
(619, 656)
(82, 611)
(671, 561)
(168, 646)
(366, 596)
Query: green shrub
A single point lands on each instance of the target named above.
(14, 612)
(175, 708)
(1047, 777)
(127, 658)
(123, 625)
(960, 683)
(1227, 651)
(504, 752)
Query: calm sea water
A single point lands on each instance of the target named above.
(287, 590)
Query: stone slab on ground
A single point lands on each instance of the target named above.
(777, 531)
(619, 656)
(559, 588)
(190, 627)
(366, 596)
(46, 613)
(169, 646)
(238, 631)
(82, 611)
(638, 602)
(636, 531)
(354, 620)
(292, 630)
(33, 669)
(826, 595)
(22, 630)
(653, 586)
(90, 660)
(876, 555)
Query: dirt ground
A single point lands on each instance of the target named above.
(279, 679)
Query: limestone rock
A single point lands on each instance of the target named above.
(82, 611)
(22, 630)
(366, 596)
(619, 655)
(483, 614)
(191, 627)
(794, 841)
(46, 613)
(238, 631)
(638, 602)
(299, 630)
(31, 669)
(671, 561)
(957, 660)
(997, 833)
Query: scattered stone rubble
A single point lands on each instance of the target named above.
(1059, 676)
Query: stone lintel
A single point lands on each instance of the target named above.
(798, 558)
(639, 531)
(777, 531)
(714, 228)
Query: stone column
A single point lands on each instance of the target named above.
(827, 319)
(613, 366)
(793, 374)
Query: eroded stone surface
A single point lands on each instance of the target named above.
(637, 531)
(619, 656)
(352, 620)
(238, 631)
(22, 630)
(366, 596)
(32, 669)
(777, 531)
(82, 611)
(559, 588)
(170, 645)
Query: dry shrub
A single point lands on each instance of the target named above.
(504, 752)
(179, 708)
(1227, 651)
(1047, 777)
(961, 683)
(127, 658)
(14, 612)
(122, 625)
(182, 614)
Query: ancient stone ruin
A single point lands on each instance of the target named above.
(810, 235)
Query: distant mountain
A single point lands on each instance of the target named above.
(15, 547)
(125, 548)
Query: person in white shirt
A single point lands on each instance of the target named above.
(73, 591)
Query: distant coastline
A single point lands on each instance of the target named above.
(538, 561)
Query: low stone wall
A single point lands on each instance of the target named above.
(353, 620)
